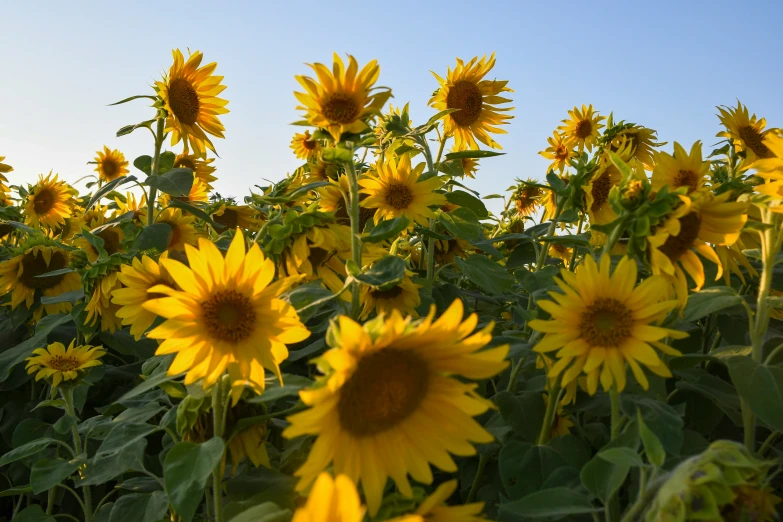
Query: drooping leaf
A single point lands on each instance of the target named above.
(384, 274)
(176, 182)
(762, 388)
(386, 229)
(185, 472)
(47, 473)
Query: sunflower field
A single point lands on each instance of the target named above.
(365, 341)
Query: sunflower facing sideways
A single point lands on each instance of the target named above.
(603, 320)
(558, 151)
(226, 317)
(597, 191)
(403, 297)
(202, 168)
(682, 169)
(61, 364)
(637, 142)
(527, 198)
(340, 100)
(391, 378)
(183, 232)
(49, 203)
(305, 146)
(582, 128)
(100, 305)
(319, 253)
(745, 131)
(189, 95)
(4, 190)
(111, 164)
(395, 190)
(232, 216)
(477, 102)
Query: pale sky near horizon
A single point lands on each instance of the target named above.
(665, 65)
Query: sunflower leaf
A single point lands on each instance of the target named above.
(384, 274)
(131, 98)
(473, 154)
(176, 182)
(386, 229)
(185, 472)
(108, 188)
(124, 131)
(549, 503)
(157, 235)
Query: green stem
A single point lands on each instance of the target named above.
(483, 459)
(571, 264)
(614, 397)
(551, 230)
(67, 394)
(770, 440)
(611, 241)
(218, 426)
(512, 379)
(549, 416)
(772, 355)
(646, 494)
(154, 170)
(356, 242)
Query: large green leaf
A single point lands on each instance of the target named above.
(176, 182)
(485, 273)
(157, 236)
(108, 188)
(13, 356)
(185, 472)
(33, 513)
(105, 467)
(386, 229)
(761, 387)
(462, 223)
(473, 154)
(554, 502)
(384, 274)
(141, 507)
(466, 200)
(603, 478)
(709, 301)
(47, 473)
(522, 476)
(24, 451)
(123, 436)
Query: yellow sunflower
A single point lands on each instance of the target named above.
(49, 203)
(202, 168)
(112, 242)
(387, 381)
(446, 250)
(250, 443)
(189, 95)
(599, 210)
(527, 198)
(637, 142)
(433, 509)
(694, 224)
(227, 317)
(233, 216)
(559, 151)
(63, 365)
(680, 170)
(560, 251)
(775, 191)
(470, 167)
(340, 100)
(4, 190)
(332, 198)
(395, 190)
(331, 501)
(582, 128)
(745, 131)
(199, 193)
(733, 259)
(100, 305)
(4, 168)
(319, 253)
(139, 208)
(771, 168)
(603, 320)
(320, 170)
(20, 277)
(477, 101)
(305, 146)
(549, 202)
(111, 164)
(403, 297)
(183, 232)
(137, 279)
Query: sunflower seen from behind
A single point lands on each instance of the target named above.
(227, 317)
(682, 169)
(391, 402)
(637, 142)
(601, 321)
(59, 364)
(581, 128)
(189, 94)
(111, 164)
(49, 203)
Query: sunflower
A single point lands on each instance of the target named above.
(305, 146)
(389, 383)
(199, 193)
(63, 365)
(189, 95)
(21, 277)
(250, 443)
(549, 201)
(340, 100)
(395, 190)
(446, 250)
(527, 198)
(560, 251)
(602, 320)
(232, 216)
(470, 167)
(733, 259)
(771, 168)
(333, 199)
(49, 202)
(477, 101)
(599, 210)
(202, 168)
(745, 132)
(562, 423)
(320, 170)
(100, 305)
(696, 222)
(4, 190)
(331, 501)
(773, 190)
(112, 236)
(4, 168)
(111, 164)
(226, 317)
(403, 297)
(434, 510)
(319, 253)
(582, 128)
(637, 142)
(559, 151)
(137, 279)
(139, 208)
(680, 170)
(182, 230)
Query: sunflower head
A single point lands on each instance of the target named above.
(49, 203)
(597, 191)
(434, 508)
(111, 164)
(403, 297)
(183, 231)
(131, 204)
(202, 168)
(682, 169)
(100, 307)
(771, 168)
(189, 94)
(229, 217)
(637, 142)
(527, 198)
(581, 129)
(305, 146)
(332, 198)
(59, 364)
(198, 195)
(559, 151)
(745, 131)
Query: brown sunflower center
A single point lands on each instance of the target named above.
(342, 217)
(754, 141)
(33, 264)
(64, 364)
(386, 387)
(184, 101)
(318, 256)
(185, 163)
(687, 178)
(606, 322)
(110, 168)
(399, 196)
(111, 240)
(465, 96)
(676, 246)
(229, 316)
(391, 293)
(561, 152)
(602, 185)
(43, 201)
(309, 144)
(229, 218)
(341, 108)
(583, 129)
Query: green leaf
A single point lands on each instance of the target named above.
(602, 478)
(462, 223)
(384, 274)
(124, 131)
(148, 384)
(141, 507)
(13, 356)
(622, 166)
(157, 236)
(485, 273)
(144, 164)
(53, 273)
(439, 115)
(47, 473)
(176, 203)
(709, 301)
(166, 161)
(176, 182)
(266, 512)
(19, 490)
(621, 457)
(337, 154)
(761, 387)
(662, 419)
(65, 297)
(185, 472)
(26, 450)
(108, 188)
(123, 436)
(33, 513)
(103, 468)
(526, 475)
(466, 200)
(386, 229)
(139, 96)
(290, 388)
(474, 154)
(652, 445)
(524, 414)
(554, 502)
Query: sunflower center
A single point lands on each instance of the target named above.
(341, 108)
(229, 218)
(43, 201)
(561, 152)
(601, 188)
(229, 316)
(687, 178)
(465, 96)
(185, 163)
(606, 322)
(386, 387)
(399, 196)
(391, 293)
(33, 264)
(583, 129)
(183, 100)
(676, 246)
(309, 144)
(754, 140)
(64, 364)
(111, 240)
(110, 168)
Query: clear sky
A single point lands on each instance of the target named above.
(662, 64)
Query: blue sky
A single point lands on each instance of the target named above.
(665, 65)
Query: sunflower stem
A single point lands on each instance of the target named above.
(611, 241)
(571, 264)
(356, 242)
(614, 397)
(67, 395)
(154, 170)
(483, 459)
(218, 426)
(551, 230)
(549, 416)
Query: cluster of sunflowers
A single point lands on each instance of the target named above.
(448, 345)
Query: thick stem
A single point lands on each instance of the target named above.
(356, 241)
(571, 264)
(614, 397)
(611, 241)
(218, 426)
(154, 170)
(551, 408)
(67, 394)
(483, 459)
